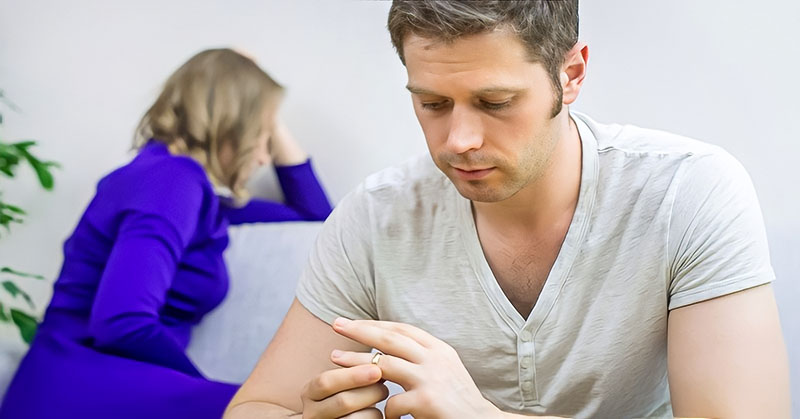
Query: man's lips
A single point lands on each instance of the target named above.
(471, 173)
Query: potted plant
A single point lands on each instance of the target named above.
(12, 155)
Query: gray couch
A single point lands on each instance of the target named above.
(264, 262)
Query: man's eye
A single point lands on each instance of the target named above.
(495, 106)
(433, 106)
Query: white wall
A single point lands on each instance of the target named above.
(84, 71)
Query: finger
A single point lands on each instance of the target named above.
(350, 358)
(402, 372)
(368, 413)
(400, 404)
(383, 339)
(420, 336)
(350, 401)
(334, 381)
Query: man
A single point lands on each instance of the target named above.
(552, 265)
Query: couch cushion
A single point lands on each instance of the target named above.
(264, 263)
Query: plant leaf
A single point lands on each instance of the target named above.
(3, 316)
(44, 175)
(14, 290)
(8, 160)
(24, 145)
(9, 153)
(12, 208)
(26, 324)
(7, 270)
(11, 288)
(6, 220)
(42, 168)
(11, 211)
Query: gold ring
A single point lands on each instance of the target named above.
(376, 358)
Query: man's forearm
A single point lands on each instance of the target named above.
(507, 415)
(266, 410)
(247, 410)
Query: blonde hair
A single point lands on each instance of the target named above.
(216, 100)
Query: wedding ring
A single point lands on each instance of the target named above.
(376, 358)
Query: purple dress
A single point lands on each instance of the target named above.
(142, 267)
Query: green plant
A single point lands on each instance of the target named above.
(11, 156)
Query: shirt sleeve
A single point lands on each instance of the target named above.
(717, 240)
(305, 199)
(157, 221)
(338, 279)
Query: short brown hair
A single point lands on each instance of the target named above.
(216, 99)
(548, 28)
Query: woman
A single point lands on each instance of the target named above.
(145, 261)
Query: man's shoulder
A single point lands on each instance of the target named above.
(414, 179)
(633, 140)
(410, 192)
(661, 167)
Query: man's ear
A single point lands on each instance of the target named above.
(573, 71)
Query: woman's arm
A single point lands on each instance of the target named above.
(140, 269)
(305, 200)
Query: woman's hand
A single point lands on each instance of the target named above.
(283, 148)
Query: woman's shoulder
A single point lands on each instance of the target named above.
(157, 181)
(154, 159)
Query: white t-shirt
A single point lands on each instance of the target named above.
(661, 222)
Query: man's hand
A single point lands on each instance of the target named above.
(349, 392)
(436, 383)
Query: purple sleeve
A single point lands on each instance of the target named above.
(304, 196)
(157, 221)
(140, 269)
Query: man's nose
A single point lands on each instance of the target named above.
(466, 130)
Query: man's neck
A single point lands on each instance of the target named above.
(545, 201)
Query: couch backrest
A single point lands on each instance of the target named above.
(264, 262)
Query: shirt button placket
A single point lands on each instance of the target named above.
(527, 370)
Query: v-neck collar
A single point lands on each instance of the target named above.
(566, 255)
